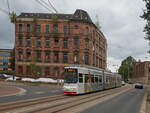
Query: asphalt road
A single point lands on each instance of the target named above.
(128, 102)
(31, 92)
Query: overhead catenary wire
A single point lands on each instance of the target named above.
(52, 6)
(44, 5)
(4, 11)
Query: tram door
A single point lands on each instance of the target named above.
(81, 83)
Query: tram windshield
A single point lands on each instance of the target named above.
(70, 76)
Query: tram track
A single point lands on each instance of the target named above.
(19, 104)
(54, 104)
(68, 105)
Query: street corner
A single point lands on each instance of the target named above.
(10, 91)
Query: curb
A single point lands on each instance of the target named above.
(21, 91)
(143, 104)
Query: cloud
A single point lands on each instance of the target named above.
(119, 20)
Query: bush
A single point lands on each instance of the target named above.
(148, 96)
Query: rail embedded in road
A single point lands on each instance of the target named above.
(57, 103)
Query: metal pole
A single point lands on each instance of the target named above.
(128, 72)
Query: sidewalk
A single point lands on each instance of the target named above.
(9, 91)
(148, 102)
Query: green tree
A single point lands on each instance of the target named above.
(36, 71)
(54, 18)
(34, 24)
(97, 23)
(146, 16)
(13, 17)
(126, 68)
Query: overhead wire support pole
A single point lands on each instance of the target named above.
(52, 6)
(8, 7)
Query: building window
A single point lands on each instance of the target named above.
(38, 56)
(56, 40)
(93, 59)
(20, 70)
(86, 58)
(20, 40)
(65, 29)
(28, 28)
(76, 26)
(38, 42)
(47, 55)
(47, 28)
(86, 31)
(56, 57)
(28, 41)
(96, 61)
(47, 42)
(65, 57)
(76, 42)
(20, 28)
(76, 57)
(38, 28)
(28, 53)
(55, 28)
(56, 71)
(47, 71)
(28, 70)
(86, 43)
(20, 53)
(65, 43)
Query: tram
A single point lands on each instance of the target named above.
(84, 79)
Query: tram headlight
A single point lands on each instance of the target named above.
(69, 88)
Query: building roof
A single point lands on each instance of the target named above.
(44, 15)
(79, 15)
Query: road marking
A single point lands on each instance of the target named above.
(54, 91)
(22, 94)
(40, 92)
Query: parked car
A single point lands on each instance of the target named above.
(123, 83)
(139, 85)
(1, 76)
(130, 82)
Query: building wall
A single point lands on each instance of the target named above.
(141, 71)
(95, 48)
(5, 61)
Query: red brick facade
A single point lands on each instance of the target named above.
(141, 71)
(52, 44)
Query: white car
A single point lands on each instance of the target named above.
(123, 83)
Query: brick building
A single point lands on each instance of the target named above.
(141, 71)
(6, 61)
(56, 40)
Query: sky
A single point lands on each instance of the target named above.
(119, 19)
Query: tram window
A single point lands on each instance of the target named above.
(86, 78)
(80, 78)
(107, 79)
(96, 79)
(92, 78)
(100, 79)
